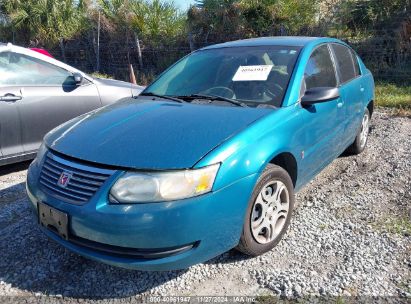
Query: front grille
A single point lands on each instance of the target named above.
(83, 182)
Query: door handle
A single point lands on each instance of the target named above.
(340, 104)
(10, 98)
(362, 89)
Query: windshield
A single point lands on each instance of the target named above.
(252, 75)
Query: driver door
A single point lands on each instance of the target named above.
(46, 96)
(323, 122)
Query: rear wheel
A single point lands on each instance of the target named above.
(362, 136)
(268, 213)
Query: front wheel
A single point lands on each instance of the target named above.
(268, 213)
(362, 136)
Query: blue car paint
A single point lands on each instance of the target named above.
(354, 92)
(154, 225)
(243, 145)
(175, 135)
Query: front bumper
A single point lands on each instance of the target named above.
(179, 233)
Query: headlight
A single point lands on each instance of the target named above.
(42, 150)
(135, 187)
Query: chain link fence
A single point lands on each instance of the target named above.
(386, 52)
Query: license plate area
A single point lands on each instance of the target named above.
(53, 220)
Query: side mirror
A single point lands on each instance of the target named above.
(320, 94)
(78, 78)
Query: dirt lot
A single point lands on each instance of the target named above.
(350, 236)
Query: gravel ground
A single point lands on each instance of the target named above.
(350, 236)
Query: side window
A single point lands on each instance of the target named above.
(319, 71)
(18, 69)
(345, 63)
(356, 64)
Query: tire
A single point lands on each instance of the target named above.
(361, 139)
(251, 242)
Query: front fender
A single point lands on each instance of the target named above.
(251, 150)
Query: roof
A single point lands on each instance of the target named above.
(266, 41)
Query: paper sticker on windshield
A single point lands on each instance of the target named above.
(252, 73)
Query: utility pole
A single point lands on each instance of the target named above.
(98, 42)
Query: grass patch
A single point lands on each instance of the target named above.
(405, 286)
(324, 299)
(396, 225)
(323, 226)
(266, 299)
(392, 95)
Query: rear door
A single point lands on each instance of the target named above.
(49, 97)
(351, 89)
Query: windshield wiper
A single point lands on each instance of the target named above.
(213, 97)
(163, 96)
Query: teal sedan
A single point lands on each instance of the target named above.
(207, 158)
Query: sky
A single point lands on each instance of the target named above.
(184, 4)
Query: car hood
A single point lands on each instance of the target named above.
(113, 82)
(134, 88)
(150, 134)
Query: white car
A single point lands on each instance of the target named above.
(38, 93)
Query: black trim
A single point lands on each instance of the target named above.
(335, 64)
(105, 166)
(16, 158)
(84, 162)
(126, 252)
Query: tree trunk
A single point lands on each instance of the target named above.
(191, 42)
(140, 57)
(63, 51)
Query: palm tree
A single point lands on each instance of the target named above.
(220, 18)
(153, 20)
(156, 19)
(47, 21)
(116, 12)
